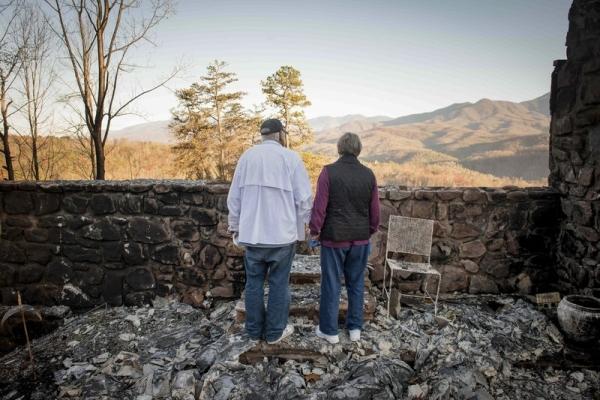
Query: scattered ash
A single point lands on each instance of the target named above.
(479, 347)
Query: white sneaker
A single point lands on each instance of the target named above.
(289, 329)
(354, 335)
(333, 339)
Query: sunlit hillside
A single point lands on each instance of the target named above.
(501, 138)
(420, 173)
(67, 158)
(462, 144)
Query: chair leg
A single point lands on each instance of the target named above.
(399, 300)
(385, 290)
(389, 291)
(437, 294)
(384, 268)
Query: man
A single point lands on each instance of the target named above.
(269, 204)
(344, 216)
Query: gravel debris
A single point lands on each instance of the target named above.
(488, 347)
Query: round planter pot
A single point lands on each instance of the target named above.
(579, 317)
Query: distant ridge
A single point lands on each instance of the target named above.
(540, 104)
(158, 131)
(414, 118)
(155, 131)
(327, 122)
(484, 108)
(501, 138)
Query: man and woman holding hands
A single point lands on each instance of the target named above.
(270, 202)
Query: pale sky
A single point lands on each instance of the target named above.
(374, 57)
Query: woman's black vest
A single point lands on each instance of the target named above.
(348, 210)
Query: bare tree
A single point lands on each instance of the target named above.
(85, 148)
(98, 36)
(55, 152)
(9, 69)
(37, 76)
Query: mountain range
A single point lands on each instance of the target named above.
(501, 138)
(327, 122)
(155, 131)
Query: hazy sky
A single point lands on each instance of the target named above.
(373, 57)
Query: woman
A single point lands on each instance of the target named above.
(344, 216)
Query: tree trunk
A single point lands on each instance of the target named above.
(99, 153)
(34, 158)
(221, 167)
(5, 142)
(92, 157)
(288, 138)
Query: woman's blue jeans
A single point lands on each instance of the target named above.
(349, 263)
(276, 262)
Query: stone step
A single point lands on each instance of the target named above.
(305, 303)
(307, 269)
(303, 345)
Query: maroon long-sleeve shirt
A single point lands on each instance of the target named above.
(319, 212)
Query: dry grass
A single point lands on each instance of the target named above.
(441, 174)
(66, 158)
(493, 137)
(422, 173)
(135, 159)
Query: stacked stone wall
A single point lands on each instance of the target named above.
(575, 150)
(124, 242)
(88, 243)
(485, 240)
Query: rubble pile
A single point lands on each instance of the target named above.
(491, 348)
(479, 347)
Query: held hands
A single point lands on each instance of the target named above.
(314, 241)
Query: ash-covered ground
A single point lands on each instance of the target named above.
(482, 347)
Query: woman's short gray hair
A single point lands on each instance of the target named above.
(349, 143)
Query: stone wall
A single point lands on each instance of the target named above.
(86, 243)
(485, 240)
(575, 149)
(123, 242)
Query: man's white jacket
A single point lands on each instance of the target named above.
(270, 196)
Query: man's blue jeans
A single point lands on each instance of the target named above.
(349, 262)
(276, 262)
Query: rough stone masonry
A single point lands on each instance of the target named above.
(575, 149)
(485, 240)
(84, 243)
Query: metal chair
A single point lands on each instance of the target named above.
(410, 236)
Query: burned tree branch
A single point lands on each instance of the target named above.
(94, 34)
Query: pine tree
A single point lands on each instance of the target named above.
(211, 127)
(285, 94)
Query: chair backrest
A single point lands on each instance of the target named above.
(409, 235)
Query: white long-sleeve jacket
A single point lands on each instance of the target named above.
(270, 197)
